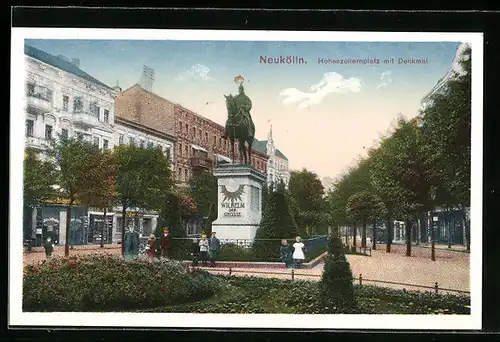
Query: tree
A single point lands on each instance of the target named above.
(74, 159)
(98, 189)
(306, 193)
(277, 223)
(365, 207)
(447, 132)
(170, 217)
(40, 177)
(144, 179)
(335, 287)
(203, 189)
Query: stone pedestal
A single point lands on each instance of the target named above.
(239, 201)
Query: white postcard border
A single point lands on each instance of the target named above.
(413, 322)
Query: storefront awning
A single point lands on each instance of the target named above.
(199, 148)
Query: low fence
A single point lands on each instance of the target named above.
(312, 244)
(293, 274)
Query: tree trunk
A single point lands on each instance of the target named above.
(389, 234)
(354, 234)
(374, 236)
(408, 227)
(363, 238)
(447, 225)
(466, 229)
(102, 228)
(68, 221)
(418, 232)
(124, 214)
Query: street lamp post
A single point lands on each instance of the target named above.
(433, 230)
(433, 234)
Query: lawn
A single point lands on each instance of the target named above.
(258, 295)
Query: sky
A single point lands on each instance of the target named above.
(323, 116)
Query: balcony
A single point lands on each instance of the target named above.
(200, 163)
(39, 104)
(85, 118)
(34, 142)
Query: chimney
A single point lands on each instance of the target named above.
(75, 62)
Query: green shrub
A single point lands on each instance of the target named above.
(108, 283)
(335, 287)
(233, 252)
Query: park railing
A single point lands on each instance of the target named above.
(183, 246)
(293, 274)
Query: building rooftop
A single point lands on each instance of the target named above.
(278, 152)
(61, 64)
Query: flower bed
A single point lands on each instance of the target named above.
(108, 283)
(260, 295)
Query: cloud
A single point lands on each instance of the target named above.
(331, 82)
(196, 72)
(385, 79)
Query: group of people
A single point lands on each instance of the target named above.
(292, 256)
(165, 244)
(205, 250)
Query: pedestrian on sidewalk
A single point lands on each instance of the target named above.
(286, 254)
(214, 245)
(195, 252)
(151, 246)
(298, 252)
(165, 242)
(49, 247)
(203, 250)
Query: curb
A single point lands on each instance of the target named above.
(255, 264)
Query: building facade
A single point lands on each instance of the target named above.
(200, 145)
(277, 164)
(61, 100)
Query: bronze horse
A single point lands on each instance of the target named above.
(239, 125)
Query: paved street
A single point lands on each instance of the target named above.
(450, 270)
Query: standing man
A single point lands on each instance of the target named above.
(213, 249)
(165, 243)
(49, 247)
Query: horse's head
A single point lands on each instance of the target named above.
(229, 103)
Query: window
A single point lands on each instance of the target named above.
(120, 139)
(214, 138)
(180, 173)
(30, 124)
(150, 144)
(42, 93)
(131, 140)
(187, 128)
(206, 137)
(78, 104)
(94, 109)
(106, 116)
(64, 133)
(48, 132)
(96, 141)
(65, 103)
(186, 150)
(105, 144)
(186, 174)
(180, 149)
(168, 152)
(194, 132)
(180, 127)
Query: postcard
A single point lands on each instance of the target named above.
(245, 179)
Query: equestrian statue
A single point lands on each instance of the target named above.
(239, 124)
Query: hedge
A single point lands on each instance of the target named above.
(108, 283)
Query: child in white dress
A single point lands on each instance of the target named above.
(298, 252)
